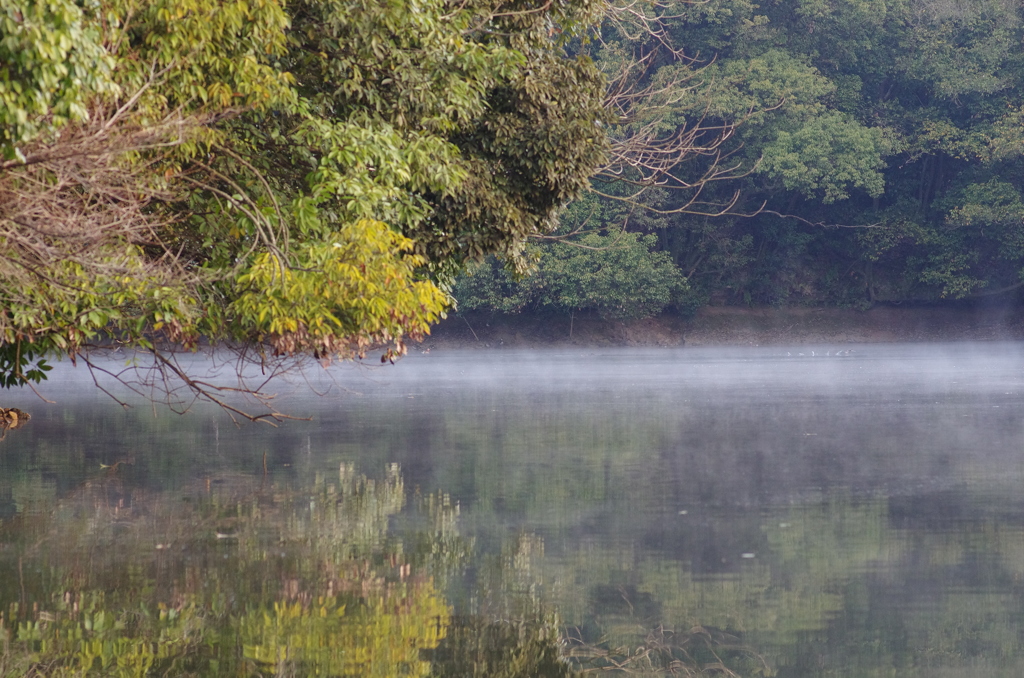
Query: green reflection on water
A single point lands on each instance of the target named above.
(571, 550)
(237, 576)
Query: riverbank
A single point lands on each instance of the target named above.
(729, 325)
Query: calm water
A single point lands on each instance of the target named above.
(772, 511)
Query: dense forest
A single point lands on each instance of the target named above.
(844, 153)
(310, 179)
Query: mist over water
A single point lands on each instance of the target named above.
(879, 417)
(856, 513)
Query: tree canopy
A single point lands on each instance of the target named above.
(854, 151)
(292, 180)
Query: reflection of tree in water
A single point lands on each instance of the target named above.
(475, 647)
(238, 576)
(695, 652)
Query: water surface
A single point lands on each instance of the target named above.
(787, 512)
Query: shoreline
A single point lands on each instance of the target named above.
(732, 326)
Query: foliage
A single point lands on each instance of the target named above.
(826, 158)
(337, 297)
(617, 276)
(288, 178)
(871, 149)
(53, 63)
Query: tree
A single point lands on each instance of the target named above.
(289, 182)
(617, 276)
(874, 146)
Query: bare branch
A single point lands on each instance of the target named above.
(811, 223)
(162, 379)
(662, 128)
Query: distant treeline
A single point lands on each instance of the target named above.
(857, 151)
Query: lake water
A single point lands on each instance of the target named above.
(770, 511)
